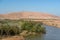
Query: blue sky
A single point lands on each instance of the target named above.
(49, 6)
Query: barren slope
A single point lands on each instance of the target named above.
(32, 15)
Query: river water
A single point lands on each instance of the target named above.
(52, 33)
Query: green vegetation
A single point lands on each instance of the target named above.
(15, 27)
(32, 26)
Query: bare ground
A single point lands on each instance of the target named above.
(14, 38)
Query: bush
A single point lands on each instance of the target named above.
(9, 27)
(33, 26)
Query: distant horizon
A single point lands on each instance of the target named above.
(50, 6)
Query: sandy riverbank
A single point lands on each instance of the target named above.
(14, 38)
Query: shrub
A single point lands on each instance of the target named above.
(9, 27)
(33, 26)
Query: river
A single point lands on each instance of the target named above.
(52, 33)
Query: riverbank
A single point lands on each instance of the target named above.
(53, 23)
(14, 38)
(10, 28)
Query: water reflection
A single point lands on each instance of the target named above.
(52, 33)
(36, 37)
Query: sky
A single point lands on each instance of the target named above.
(47, 6)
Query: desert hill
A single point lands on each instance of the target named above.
(32, 15)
